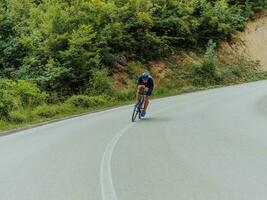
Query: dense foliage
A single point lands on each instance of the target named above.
(57, 56)
(23, 94)
(61, 44)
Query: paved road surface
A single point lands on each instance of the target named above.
(209, 145)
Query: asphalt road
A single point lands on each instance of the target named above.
(208, 145)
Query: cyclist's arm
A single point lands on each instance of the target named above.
(140, 83)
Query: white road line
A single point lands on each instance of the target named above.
(106, 181)
(107, 187)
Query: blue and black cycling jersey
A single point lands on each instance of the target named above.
(149, 84)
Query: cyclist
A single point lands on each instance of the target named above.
(146, 82)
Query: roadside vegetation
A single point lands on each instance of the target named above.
(59, 58)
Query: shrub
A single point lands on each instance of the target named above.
(205, 73)
(6, 84)
(125, 95)
(29, 94)
(231, 74)
(17, 117)
(7, 101)
(65, 108)
(79, 101)
(100, 84)
(235, 71)
(47, 111)
(161, 91)
(7, 104)
(22, 93)
(82, 101)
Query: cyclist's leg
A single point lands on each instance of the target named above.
(146, 100)
(146, 103)
(137, 95)
(138, 91)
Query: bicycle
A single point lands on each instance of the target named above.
(139, 106)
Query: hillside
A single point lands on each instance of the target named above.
(236, 60)
(252, 43)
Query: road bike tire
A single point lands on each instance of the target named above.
(135, 112)
(141, 100)
(138, 108)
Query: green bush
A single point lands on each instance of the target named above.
(100, 84)
(18, 94)
(261, 75)
(6, 84)
(65, 108)
(7, 104)
(29, 94)
(231, 74)
(125, 95)
(7, 101)
(205, 73)
(243, 70)
(18, 117)
(82, 101)
(235, 71)
(220, 19)
(161, 91)
(47, 111)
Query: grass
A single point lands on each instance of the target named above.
(6, 126)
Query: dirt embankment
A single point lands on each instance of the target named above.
(252, 43)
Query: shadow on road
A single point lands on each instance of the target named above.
(154, 119)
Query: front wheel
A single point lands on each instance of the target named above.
(141, 107)
(135, 113)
